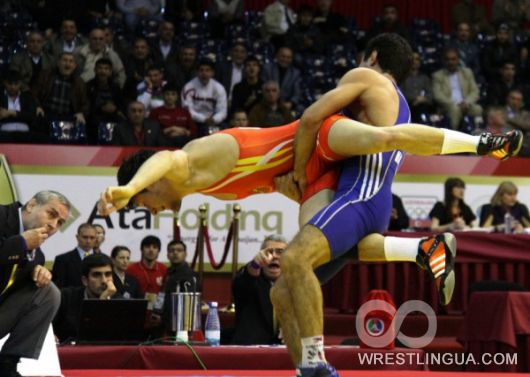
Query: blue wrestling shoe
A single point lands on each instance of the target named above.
(320, 370)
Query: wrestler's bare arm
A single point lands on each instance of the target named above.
(170, 165)
(350, 88)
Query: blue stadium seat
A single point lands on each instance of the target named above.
(105, 130)
(253, 21)
(262, 50)
(67, 132)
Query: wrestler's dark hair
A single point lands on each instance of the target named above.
(394, 54)
(131, 164)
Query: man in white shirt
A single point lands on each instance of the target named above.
(277, 19)
(205, 98)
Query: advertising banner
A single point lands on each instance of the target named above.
(82, 173)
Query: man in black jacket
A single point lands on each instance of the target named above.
(251, 286)
(18, 112)
(180, 275)
(28, 299)
(67, 266)
(97, 284)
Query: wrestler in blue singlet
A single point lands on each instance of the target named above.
(363, 200)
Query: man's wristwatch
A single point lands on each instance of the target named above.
(254, 265)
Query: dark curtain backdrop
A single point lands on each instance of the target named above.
(365, 10)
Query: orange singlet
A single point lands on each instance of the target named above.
(265, 153)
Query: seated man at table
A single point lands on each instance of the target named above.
(96, 272)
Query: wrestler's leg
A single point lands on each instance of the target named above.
(411, 138)
(315, 203)
(281, 300)
(378, 248)
(308, 250)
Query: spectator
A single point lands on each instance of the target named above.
(149, 273)
(519, 118)
(68, 41)
(134, 11)
(305, 37)
(452, 214)
(137, 65)
(505, 201)
(512, 12)
(270, 111)
(88, 55)
(468, 50)
(185, 69)
(206, 99)
(239, 119)
(501, 50)
(180, 273)
(183, 11)
(96, 275)
(255, 322)
(100, 238)
(399, 219)
(126, 285)
(175, 121)
(455, 90)
(498, 89)
(230, 72)
(137, 130)
(471, 13)
(106, 99)
(277, 19)
(119, 45)
(61, 93)
(67, 266)
(18, 112)
(388, 23)
(150, 89)
(165, 49)
(417, 90)
(248, 92)
(289, 78)
(100, 9)
(180, 277)
(223, 13)
(31, 61)
(332, 26)
(28, 299)
(496, 121)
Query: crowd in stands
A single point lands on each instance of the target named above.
(129, 72)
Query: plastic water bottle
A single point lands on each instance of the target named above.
(212, 328)
(508, 223)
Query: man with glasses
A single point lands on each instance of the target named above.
(255, 322)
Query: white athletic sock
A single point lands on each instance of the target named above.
(459, 142)
(313, 351)
(399, 249)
